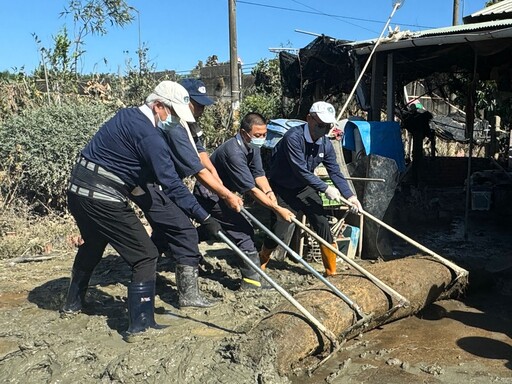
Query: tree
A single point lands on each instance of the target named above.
(91, 17)
(266, 96)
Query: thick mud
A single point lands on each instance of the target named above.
(466, 340)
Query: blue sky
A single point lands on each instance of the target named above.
(179, 33)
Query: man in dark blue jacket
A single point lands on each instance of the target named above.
(127, 151)
(292, 178)
(239, 165)
(172, 229)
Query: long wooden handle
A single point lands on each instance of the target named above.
(461, 272)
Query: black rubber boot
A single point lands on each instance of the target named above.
(141, 310)
(76, 293)
(188, 289)
(250, 278)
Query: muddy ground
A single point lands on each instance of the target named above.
(451, 341)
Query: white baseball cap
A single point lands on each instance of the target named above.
(173, 95)
(324, 111)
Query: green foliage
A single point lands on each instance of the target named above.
(39, 146)
(216, 124)
(91, 17)
(267, 105)
(139, 82)
(266, 95)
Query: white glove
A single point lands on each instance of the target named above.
(332, 193)
(356, 205)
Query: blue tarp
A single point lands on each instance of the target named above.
(276, 128)
(381, 138)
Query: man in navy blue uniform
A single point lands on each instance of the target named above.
(292, 177)
(172, 231)
(127, 151)
(238, 163)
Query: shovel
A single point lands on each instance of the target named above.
(329, 334)
(363, 318)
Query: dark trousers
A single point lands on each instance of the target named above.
(114, 223)
(309, 203)
(172, 228)
(236, 226)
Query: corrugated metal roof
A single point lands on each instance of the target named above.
(465, 28)
(504, 6)
(452, 30)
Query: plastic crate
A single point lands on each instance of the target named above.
(326, 202)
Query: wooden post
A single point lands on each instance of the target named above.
(455, 20)
(233, 60)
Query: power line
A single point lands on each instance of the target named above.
(326, 14)
(337, 18)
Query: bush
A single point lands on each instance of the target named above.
(269, 106)
(217, 124)
(38, 148)
(23, 234)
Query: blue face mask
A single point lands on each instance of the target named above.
(169, 122)
(256, 142)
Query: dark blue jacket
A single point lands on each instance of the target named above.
(131, 147)
(294, 161)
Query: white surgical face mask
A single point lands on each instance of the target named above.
(256, 142)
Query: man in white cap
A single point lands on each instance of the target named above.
(129, 150)
(173, 233)
(292, 178)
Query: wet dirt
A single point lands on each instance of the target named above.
(451, 341)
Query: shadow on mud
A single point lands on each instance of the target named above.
(110, 272)
(493, 316)
(52, 294)
(487, 348)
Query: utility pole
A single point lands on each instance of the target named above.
(456, 4)
(455, 21)
(233, 60)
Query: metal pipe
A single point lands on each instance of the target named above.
(365, 179)
(294, 254)
(402, 301)
(461, 272)
(396, 5)
(329, 334)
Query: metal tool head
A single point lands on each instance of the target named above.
(397, 3)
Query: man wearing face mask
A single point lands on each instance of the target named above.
(172, 229)
(238, 163)
(292, 177)
(198, 101)
(129, 150)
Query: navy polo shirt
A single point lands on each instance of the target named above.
(237, 165)
(131, 147)
(199, 145)
(183, 152)
(295, 158)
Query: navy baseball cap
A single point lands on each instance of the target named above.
(197, 91)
